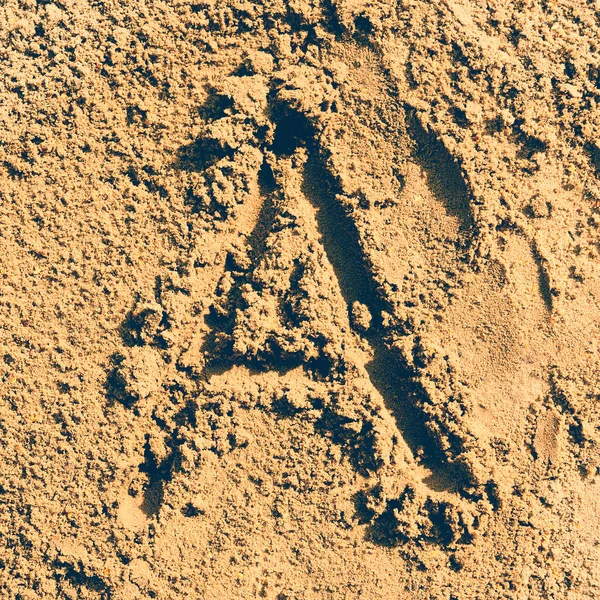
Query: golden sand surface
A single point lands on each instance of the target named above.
(299, 300)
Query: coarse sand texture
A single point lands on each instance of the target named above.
(300, 300)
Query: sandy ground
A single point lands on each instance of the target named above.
(299, 299)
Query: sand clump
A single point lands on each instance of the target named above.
(299, 300)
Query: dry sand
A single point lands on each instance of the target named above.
(299, 299)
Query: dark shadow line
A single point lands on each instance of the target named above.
(158, 474)
(339, 237)
(543, 277)
(444, 175)
(267, 213)
(395, 382)
(593, 152)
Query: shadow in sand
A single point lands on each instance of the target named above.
(393, 380)
(444, 175)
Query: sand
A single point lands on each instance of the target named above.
(299, 299)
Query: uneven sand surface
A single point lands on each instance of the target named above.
(299, 299)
